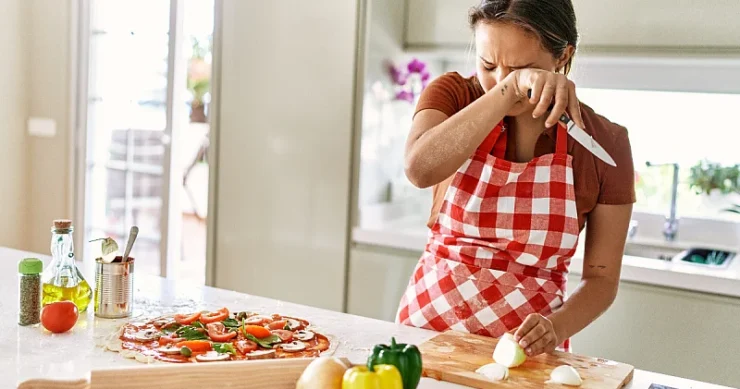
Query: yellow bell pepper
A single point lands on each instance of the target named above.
(384, 377)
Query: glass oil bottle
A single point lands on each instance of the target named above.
(62, 280)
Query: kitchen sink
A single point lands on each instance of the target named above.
(697, 256)
(651, 251)
(715, 259)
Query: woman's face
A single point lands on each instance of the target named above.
(504, 47)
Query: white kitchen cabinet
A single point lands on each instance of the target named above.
(691, 334)
(284, 145)
(377, 279)
(619, 24)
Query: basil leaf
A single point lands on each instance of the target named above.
(191, 333)
(230, 323)
(199, 325)
(224, 348)
(264, 342)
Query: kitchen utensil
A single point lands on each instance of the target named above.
(130, 243)
(583, 137)
(114, 288)
(264, 374)
(586, 140)
(454, 356)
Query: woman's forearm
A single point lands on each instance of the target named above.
(437, 153)
(589, 301)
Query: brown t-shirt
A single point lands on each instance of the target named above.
(595, 182)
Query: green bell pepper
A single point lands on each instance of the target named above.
(405, 357)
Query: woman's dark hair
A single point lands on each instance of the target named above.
(553, 21)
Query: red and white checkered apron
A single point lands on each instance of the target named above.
(501, 245)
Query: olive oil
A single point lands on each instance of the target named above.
(62, 280)
(79, 294)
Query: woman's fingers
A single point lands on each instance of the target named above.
(536, 90)
(541, 345)
(548, 92)
(574, 107)
(527, 325)
(561, 102)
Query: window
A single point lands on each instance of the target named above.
(673, 127)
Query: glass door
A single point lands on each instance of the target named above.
(145, 92)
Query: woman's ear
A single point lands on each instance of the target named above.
(565, 57)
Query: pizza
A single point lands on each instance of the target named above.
(218, 336)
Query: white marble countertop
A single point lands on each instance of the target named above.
(31, 352)
(412, 234)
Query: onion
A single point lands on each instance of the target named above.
(323, 373)
(565, 375)
(494, 372)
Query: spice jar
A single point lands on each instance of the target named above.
(29, 291)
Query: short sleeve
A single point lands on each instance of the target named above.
(445, 94)
(618, 183)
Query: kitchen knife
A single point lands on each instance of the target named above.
(583, 138)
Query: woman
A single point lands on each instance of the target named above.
(512, 191)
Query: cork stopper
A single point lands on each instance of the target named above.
(62, 224)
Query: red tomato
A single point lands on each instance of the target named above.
(169, 339)
(286, 336)
(211, 317)
(59, 317)
(278, 325)
(187, 319)
(246, 346)
(218, 333)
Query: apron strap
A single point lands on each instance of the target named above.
(490, 142)
(561, 140)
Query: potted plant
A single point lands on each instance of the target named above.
(715, 181)
(199, 79)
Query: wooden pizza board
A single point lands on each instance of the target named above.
(454, 356)
(267, 374)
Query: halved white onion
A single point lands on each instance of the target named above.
(565, 375)
(494, 371)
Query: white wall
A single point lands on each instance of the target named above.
(13, 112)
(285, 126)
(34, 82)
(49, 69)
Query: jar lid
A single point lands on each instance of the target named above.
(30, 266)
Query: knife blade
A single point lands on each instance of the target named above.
(583, 137)
(586, 140)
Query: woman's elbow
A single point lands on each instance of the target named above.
(416, 174)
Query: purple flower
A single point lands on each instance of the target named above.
(416, 66)
(405, 95)
(425, 76)
(398, 77)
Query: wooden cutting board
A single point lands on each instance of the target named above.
(454, 356)
(267, 374)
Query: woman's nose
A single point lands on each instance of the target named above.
(501, 73)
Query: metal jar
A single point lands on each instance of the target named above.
(114, 288)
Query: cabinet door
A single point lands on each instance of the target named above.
(377, 280)
(441, 23)
(666, 23)
(668, 331)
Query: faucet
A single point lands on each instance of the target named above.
(670, 227)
